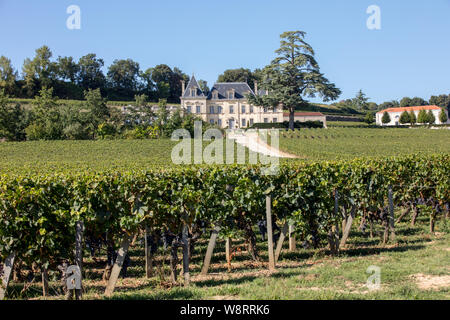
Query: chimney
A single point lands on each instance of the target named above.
(182, 87)
(256, 88)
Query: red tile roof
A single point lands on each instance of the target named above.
(417, 108)
(304, 114)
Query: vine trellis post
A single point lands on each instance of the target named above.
(210, 250)
(148, 254)
(123, 250)
(270, 232)
(8, 266)
(391, 214)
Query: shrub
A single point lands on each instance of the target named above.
(405, 118)
(386, 118)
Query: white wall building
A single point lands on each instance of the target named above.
(395, 113)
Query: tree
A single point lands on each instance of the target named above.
(369, 118)
(412, 118)
(90, 75)
(442, 101)
(386, 118)
(293, 75)
(141, 100)
(97, 107)
(40, 71)
(405, 102)
(422, 117)
(416, 101)
(162, 116)
(372, 106)
(360, 101)
(167, 82)
(404, 118)
(388, 104)
(123, 77)
(46, 121)
(238, 75)
(13, 119)
(443, 118)
(8, 76)
(67, 69)
(203, 86)
(148, 86)
(431, 117)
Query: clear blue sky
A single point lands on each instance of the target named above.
(409, 56)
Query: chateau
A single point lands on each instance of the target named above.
(226, 105)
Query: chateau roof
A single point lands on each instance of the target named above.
(240, 90)
(416, 108)
(191, 85)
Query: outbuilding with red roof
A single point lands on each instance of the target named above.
(395, 113)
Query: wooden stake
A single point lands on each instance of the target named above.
(186, 248)
(284, 232)
(8, 267)
(348, 226)
(118, 265)
(210, 250)
(292, 242)
(79, 255)
(45, 291)
(228, 253)
(148, 255)
(391, 214)
(269, 232)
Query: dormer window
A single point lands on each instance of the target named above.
(193, 92)
(230, 95)
(215, 95)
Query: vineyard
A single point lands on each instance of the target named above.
(348, 143)
(54, 218)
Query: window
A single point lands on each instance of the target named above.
(219, 109)
(189, 109)
(251, 122)
(274, 109)
(265, 109)
(243, 109)
(193, 92)
(215, 95)
(275, 120)
(230, 95)
(243, 122)
(211, 121)
(211, 109)
(251, 109)
(266, 120)
(231, 109)
(219, 122)
(197, 109)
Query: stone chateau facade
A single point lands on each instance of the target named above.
(226, 105)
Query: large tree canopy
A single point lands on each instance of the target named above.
(238, 75)
(123, 77)
(91, 75)
(293, 76)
